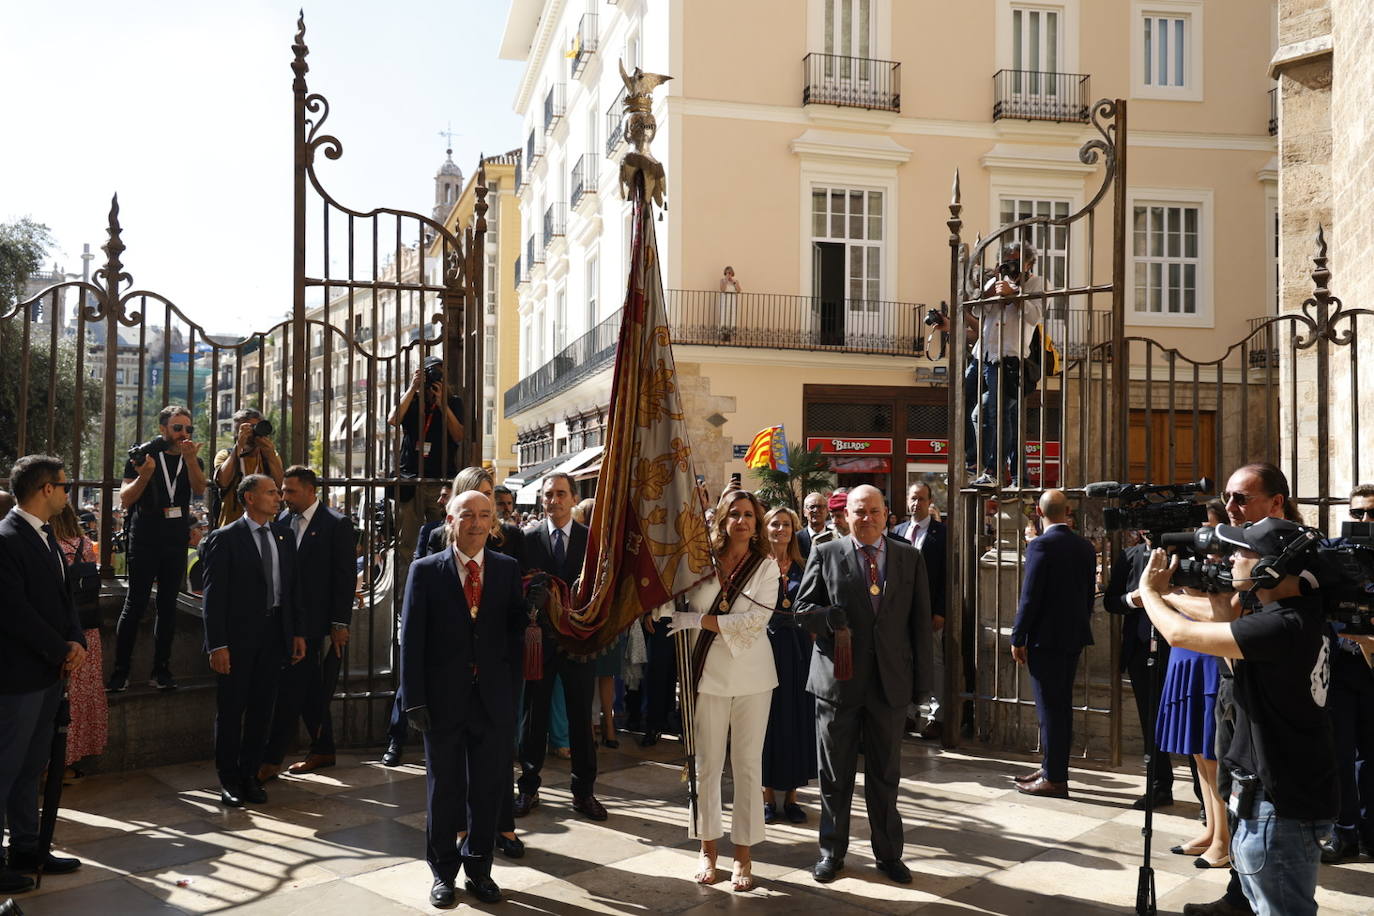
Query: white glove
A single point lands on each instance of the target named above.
(686, 620)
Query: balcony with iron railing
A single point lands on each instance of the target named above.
(584, 357)
(534, 251)
(555, 225)
(1033, 95)
(584, 43)
(853, 82)
(584, 176)
(615, 124)
(1274, 112)
(534, 149)
(553, 107)
(522, 276)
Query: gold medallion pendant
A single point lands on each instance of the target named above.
(873, 589)
(787, 602)
(724, 605)
(473, 611)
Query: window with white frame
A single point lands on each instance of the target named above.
(1166, 49)
(1051, 243)
(593, 284)
(847, 232)
(1166, 245)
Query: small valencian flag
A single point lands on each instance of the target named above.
(768, 450)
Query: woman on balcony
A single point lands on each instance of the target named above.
(729, 303)
(733, 678)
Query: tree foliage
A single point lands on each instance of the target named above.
(807, 472)
(37, 412)
(23, 244)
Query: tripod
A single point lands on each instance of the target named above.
(1145, 886)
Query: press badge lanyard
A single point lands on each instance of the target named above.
(171, 511)
(425, 445)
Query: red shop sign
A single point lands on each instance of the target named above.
(928, 448)
(838, 446)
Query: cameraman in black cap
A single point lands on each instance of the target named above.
(1284, 791)
(160, 478)
(251, 453)
(431, 447)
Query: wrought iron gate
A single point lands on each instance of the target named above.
(374, 293)
(1123, 408)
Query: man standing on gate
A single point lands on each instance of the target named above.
(158, 485)
(252, 627)
(40, 642)
(557, 546)
(1052, 627)
(325, 577)
(463, 615)
(928, 536)
(873, 589)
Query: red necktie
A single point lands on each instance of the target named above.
(473, 588)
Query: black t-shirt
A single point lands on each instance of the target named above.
(148, 521)
(434, 430)
(1283, 731)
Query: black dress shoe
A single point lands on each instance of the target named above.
(525, 802)
(896, 870)
(441, 894)
(1335, 851)
(391, 757)
(649, 739)
(826, 869)
(254, 793)
(52, 865)
(230, 798)
(611, 743)
(484, 889)
(1161, 800)
(511, 846)
(588, 805)
(11, 882)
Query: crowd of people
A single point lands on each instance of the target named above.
(817, 644)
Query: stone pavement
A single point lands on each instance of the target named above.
(350, 839)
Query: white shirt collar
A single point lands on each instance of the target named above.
(33, 520)
(859, 545)
(566, 529)
(824, 526)
(922, 523)
(309, 513)
(480, 557)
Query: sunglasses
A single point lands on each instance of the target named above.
(1358, 514)
(66, 485)
(1237, 497)
(179, 428)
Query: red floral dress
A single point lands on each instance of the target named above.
(86, 687)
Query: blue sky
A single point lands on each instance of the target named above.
(184, 108)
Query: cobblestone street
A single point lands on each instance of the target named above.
(350, 839)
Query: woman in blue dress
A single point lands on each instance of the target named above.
(789, 746)
(1187, 725)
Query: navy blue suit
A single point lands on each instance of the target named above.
(933, 552)
(326, 583)
(37, 622)
(237, 598)
(459, 668)
(1053, 622)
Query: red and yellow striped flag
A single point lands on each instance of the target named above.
(768, 450)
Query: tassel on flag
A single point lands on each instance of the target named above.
(768, 450)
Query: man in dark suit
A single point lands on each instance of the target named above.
(1052, 627)
(928, 536)
(325, 582)
(252, 626)
(813, 517)
(459, 630)
(557, 546)
(40, 642)
(873, 587)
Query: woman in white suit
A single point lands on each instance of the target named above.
(733, 677)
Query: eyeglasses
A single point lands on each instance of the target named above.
(179, 428)
(1358, 514)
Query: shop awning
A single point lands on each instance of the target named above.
(528, 494)
(578, 463)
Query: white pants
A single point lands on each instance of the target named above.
(741, 722)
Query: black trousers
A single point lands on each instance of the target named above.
(1052, 672)
(579, 681)
(660, 679)
(1352, 717)
(304, 692)
(841, 731)
(244, 701)
(467, 767)
(164, 564)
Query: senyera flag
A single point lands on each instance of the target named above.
(768, 450)
(647, 543)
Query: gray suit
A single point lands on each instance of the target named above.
(892, 656)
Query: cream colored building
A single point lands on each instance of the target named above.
(811, 146)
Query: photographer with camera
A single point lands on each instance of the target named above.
(1005, 332)
(1284, 793)
(431, 447)
(1352, 718)
(160, 478)
(251, 453)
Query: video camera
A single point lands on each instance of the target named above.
(1346, 572)
(1173, 517)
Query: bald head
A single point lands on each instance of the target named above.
(1054, 505)
(866, 513)
(470, 515)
